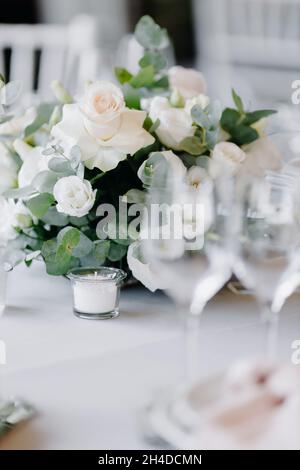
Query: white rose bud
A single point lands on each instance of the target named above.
(188, 82)
(226, 157)
(175, 124)
(74, 197)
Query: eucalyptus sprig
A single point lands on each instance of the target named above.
(238, 123)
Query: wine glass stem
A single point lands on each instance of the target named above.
(270, 320)
(191, 336)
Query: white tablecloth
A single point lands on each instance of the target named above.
(89, 379)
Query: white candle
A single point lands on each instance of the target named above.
(95, 297)
(96, 291)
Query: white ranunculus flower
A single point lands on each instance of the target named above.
(8, 170)
(175, 124)
(261, 155)
(226, 157)
(102, 126)
(17, 125)
(200, 100)
(141, 270)
(74, 196)
(177, 167)
(188, 82)
(33, 162)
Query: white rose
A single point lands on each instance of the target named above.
(226, 157)
(12, 215)
(17, 125)
(261, 155)
(200, 100)
(103, 128)
(177, 167)
(8, 170)
(175, 124)
(188, 82)
(74, 196)
(33, 162)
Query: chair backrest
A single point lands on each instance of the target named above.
(251, 32)
(41, 53)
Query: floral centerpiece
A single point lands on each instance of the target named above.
(60, 161)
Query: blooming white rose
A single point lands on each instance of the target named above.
(175, 124)
(8, 170)
(102, 126)
(33, 162)
(188, 82)
(17, 125)
(177, 167)
(200, 100)
(74, 196)
(226, 157)
(261, 155)
(12, 216)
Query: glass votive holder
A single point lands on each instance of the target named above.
(96, 292)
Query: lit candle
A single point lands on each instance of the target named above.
(96, 292)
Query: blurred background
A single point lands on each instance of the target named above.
(251, 45)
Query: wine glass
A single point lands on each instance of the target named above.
(183, 240)
(266, 245)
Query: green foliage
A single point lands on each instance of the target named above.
(155, 58)
(132, 97)
(122, 75)
(150, 35)
(44, 112)
(144, 78)
(116, 251)
(40, 204)
(65, 251)
(238, 122)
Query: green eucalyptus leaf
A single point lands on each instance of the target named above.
(229, 119)
(200, 117)
(122, 75)
(144, 78)
(116, 251)
(163, 82)
(254, 116)
(20, 193)
(98, 255)
(155, 58)
(132, 96)
(242, 135)
(45, 181)
(44, 112)
(150, 35)
(60, 165)
(39, 205)
(55, 218)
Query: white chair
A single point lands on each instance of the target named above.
(255, 43)
(67, 53)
